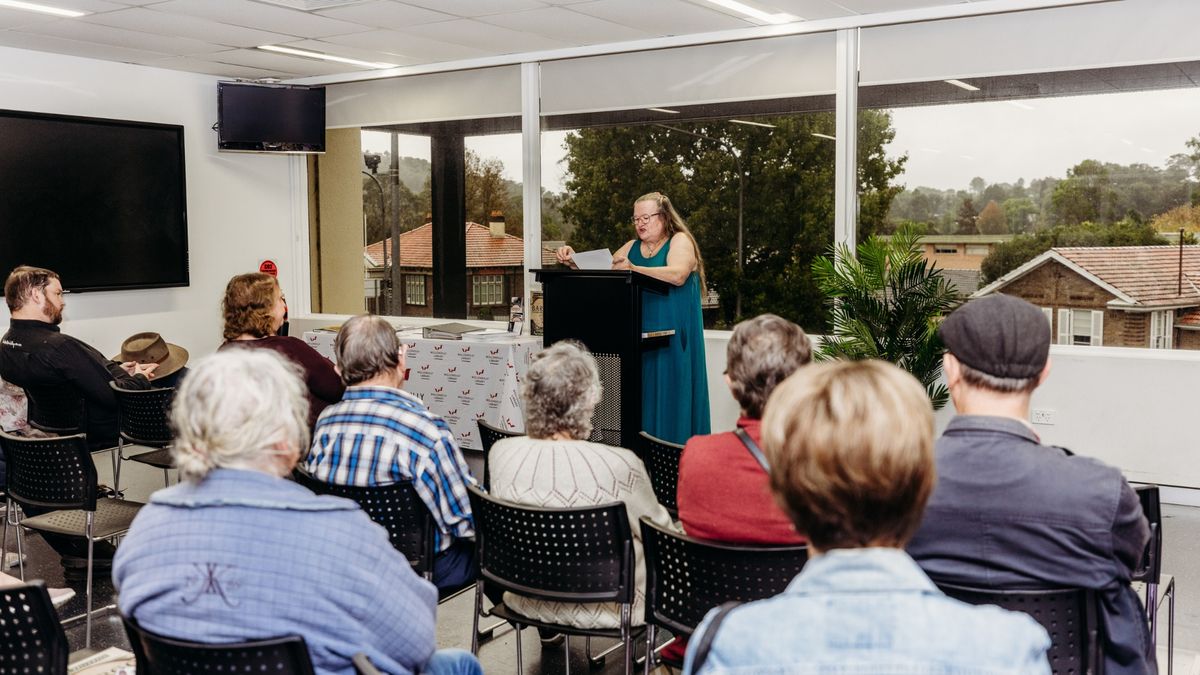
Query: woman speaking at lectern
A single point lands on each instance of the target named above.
(674, 378)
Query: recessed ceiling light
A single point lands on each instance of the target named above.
(753, 124)
(962, 85)
(832, 138)
(324, 57)
(44, 9)
(664, 110)
(756, 14)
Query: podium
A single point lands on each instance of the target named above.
(603, 310)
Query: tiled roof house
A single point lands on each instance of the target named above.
(1126, 296)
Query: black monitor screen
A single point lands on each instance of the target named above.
(101, 202)
(270, 118)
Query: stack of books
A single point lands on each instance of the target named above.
(449, 331)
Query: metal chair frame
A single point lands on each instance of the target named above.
(662, 463)
(686, 577)
(1150, 572)
(31, 639)
(161, 655)
(488, 435)
(1069, 615)
(70, 494)
(142, 421)
(524, 550)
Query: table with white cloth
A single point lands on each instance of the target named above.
(462, 380)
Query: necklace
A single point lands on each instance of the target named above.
(652, 248)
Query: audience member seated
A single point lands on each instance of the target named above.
(724, 493)
(378, 435)
(850, 445)
(13, 411)
(170, 360)
(254, 311)
(237, 552)
(1009, 512)
(35, 355)
(555, 465)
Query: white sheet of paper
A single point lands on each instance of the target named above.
(600, 259)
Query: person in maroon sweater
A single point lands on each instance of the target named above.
(724, 493)
(254, 310)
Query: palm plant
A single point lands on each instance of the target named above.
(886, 303)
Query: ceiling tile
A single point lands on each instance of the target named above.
(119, 37)
(15, 18)
(372, 55)
(809, 10)
(262, 17)
(579, 29)
(474, 8)
(479, 35)
(193, 65)
(257, 58)
(161, 23)
(876, 6)
(664, 17)
(424, 50)
(386, 14)
(91, 50)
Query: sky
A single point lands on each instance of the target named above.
(948, 145)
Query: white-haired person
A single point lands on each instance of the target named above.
(555, 465)
(237, 552)
(850, 445)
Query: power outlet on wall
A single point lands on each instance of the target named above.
(1042, 416)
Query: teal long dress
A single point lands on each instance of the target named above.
(674, 378)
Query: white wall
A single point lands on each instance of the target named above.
(240, 207)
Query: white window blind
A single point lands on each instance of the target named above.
(1064, 326)
(467, 94)
(1162, 329)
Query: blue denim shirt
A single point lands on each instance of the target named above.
(242, 555)
(870, 611)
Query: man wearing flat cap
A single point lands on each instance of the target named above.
(1009, 512)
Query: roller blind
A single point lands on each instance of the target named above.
(1124, 33)
(780, 67)
(468, 94)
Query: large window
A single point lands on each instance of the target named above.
(1080, 327)
(414, 289)
(488, 289)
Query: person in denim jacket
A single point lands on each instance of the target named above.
(850, 445)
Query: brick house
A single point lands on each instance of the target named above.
(495, 270)
(960, 256)
(1117, 296)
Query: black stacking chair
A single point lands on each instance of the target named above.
(662, 463)
(564, 555)
(686, 577)
(397, 507)
(57, 474)
(31, 638)
(488, 435)
(142, 420)
(1150, 572)
(1069, 615)
(56, 410)
(160, 655)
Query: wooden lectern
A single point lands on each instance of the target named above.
(603, 310)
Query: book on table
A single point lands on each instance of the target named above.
(449, 331)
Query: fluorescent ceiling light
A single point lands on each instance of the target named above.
(756, 14)
(832, 138)
(323, 57)
(664, 110)
(753, 124)
(962, 85)
(44, 9)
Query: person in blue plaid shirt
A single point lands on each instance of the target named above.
(379, 434)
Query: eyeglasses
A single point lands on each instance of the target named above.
(644, 219)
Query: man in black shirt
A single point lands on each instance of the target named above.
(35, 355)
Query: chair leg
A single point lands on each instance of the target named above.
(475, 619)
(118, 454)
(1152, 612)
(1170, 593)
(166, 478)
(87, 631)
(16, 523)
(520, 662)
(651, 629)
(567, 653)
(627, 637)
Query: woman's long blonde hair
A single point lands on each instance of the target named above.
(675, 224)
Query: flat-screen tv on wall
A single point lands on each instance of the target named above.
(270, 117)
(100, 201)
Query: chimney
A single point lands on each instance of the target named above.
(496, 224)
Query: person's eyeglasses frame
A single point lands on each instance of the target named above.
(644, 219)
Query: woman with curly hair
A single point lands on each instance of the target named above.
(556, 466)
(254, 309)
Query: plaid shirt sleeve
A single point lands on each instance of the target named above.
(440, 477)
